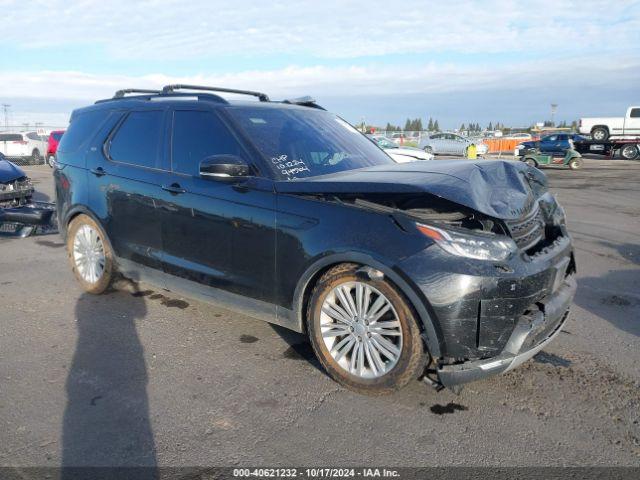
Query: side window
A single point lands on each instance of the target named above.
(137, 141)
(82, 128)
(552, 138)
(635, 113)
(197, 135)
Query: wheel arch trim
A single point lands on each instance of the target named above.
(315, 270)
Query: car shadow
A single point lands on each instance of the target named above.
(106, 419)
(299, 346)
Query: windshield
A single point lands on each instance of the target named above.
(300, 143)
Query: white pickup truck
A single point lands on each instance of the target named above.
(601, 129)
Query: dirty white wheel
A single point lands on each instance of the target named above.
(88, 254)
(360, 329)
(364, 331)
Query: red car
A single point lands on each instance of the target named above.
(52, 148)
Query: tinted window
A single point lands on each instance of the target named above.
(82, 128)
(137, 141)
(635, 113)
(305, 142)
(10, 137)
(33, 136)
(57, 135)
(551, 138)
(197, 135)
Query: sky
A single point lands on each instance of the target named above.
(381, 61)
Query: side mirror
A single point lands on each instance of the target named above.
(224, 168)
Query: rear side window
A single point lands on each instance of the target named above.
(635, 113)
(137, 141)
(82, 128)
(197, 135)
(10, 137)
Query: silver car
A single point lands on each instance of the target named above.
(451, 144)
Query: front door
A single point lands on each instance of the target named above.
(217, 233)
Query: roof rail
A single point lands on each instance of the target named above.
(171, 88)
(122, 93)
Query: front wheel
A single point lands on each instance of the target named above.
(531, 162)
(35, 156)
(51, 161)
(629, 152)
(364, 332)
(90, 254)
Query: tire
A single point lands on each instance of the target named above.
(575, 163)
(35, 156)
(629, 152)
(531, 162)
(600, 134)
(391, 375)
(428, 149)
(102, 281)
(51, 161)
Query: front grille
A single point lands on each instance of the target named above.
(529, 230)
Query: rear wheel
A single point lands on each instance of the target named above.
(629, 152)
(90, 254)
(363, 332)
(531, 162)
(575, 163)
(600, 134)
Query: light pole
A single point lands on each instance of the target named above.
(554, 108)
(5, 108)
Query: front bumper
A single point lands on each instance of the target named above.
(533, 331)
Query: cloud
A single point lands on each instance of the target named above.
(330, 29)
(619, 72)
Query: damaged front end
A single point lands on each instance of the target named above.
(20, 216)
(499, 276)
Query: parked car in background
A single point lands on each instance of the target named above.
(398, 153)
(524, 136)
(601, 128)
(399, 137)
(451, 144)
(557, 143)
(27, 146)
(287, 213)
(52, 146)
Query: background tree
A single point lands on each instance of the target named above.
(430, 125)
(436, 127)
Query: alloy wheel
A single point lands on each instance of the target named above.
(88, 254)
(361, 329)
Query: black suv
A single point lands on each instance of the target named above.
(453, 269)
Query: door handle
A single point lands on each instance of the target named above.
(98, 172)
(174, 188)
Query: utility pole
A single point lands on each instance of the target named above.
(5, 108)
(554, 108)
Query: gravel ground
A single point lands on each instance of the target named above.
(154, 379)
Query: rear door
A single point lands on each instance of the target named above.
(549, 144)
(126, 181)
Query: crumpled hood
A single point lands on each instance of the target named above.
(493, 187)
(9, 172)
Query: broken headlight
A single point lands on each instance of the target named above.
(479, 247)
